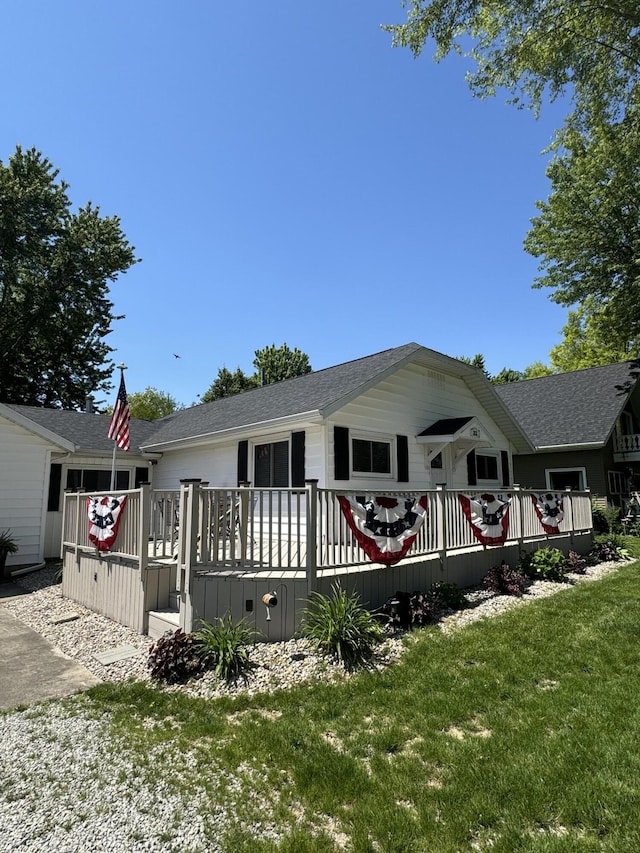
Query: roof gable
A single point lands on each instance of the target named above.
(571, 409)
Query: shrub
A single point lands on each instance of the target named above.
(575, 563)
(546, 564)
(447, 596)
(406, 610)
(608, 549)
(340, 626)
(605, 520)
(174, 658)
(224, 647)
(504, 580)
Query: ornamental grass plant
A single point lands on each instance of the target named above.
(224, 646)
(340, 626)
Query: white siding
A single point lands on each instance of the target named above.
(218, 463)
(24, 475)
(405, 404)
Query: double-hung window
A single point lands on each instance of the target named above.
(486, 467)
(271, 465)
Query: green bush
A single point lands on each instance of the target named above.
(174, 658)
(548, 564)
(447, 596)
(340, 626)
(606, 520)
(224, 647)
(607, 549)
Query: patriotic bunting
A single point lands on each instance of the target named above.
(549, 510)
(488, 516)
(385, 527)
(104, 519)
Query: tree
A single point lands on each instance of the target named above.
(536, 50)
(589, 341)
(274, 364)
(55, 270)
(507, 375)
(151, 404)
(227, 384)
(588, 231)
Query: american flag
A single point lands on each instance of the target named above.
(119, 423)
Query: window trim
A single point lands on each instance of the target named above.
(382, 438)
(271, 440)
(491, 454)
(577, 468)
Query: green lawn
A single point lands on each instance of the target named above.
(514, 734)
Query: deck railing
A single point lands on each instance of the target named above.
(298, 529)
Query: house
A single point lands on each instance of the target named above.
(402, 418)
(585, 429)
(45, 451)
(406, 416)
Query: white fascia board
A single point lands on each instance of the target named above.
(246, 430)
(556, 448)
(35, 428)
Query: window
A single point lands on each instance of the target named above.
(486, 467)
(559, 479)
(371, 457)
(271, 465)
(95, 480)
(617, 482)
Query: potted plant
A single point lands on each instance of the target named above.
(8, 546)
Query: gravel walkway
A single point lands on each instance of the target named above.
(65, 788)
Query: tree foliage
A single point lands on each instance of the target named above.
(55, 269)
(151, 404)
(590, 341)
(536, 50)
(587, 234)
(272, 364)
(226, 384)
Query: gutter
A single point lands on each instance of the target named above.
(587, 445)
(27, 570)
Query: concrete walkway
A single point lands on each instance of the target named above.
(31, 669)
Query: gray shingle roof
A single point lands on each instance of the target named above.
(87, 431)
(570, 409)
(313, 392)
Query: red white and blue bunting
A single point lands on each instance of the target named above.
(385, 527)
(104, 520)
(488, 516)
(549, 509)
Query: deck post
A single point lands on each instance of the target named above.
(441, 524)
(569, 513)
(517, 491)
(312, 534)
(187, 547)
(243, 519)
(143, 529)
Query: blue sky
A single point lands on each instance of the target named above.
(285, 176)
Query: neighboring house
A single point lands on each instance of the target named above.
(404, 418)
(45, 451)
(585, 428)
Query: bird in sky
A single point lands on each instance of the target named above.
(175, 355)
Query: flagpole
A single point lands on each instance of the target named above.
(121, 368)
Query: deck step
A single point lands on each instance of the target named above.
(161, 621)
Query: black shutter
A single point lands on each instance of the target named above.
(142, 476)
(341, 452)
(472, 477)
(402, 450)
(506, 476)
(297, 460)
(55, 479)
(243, 460)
